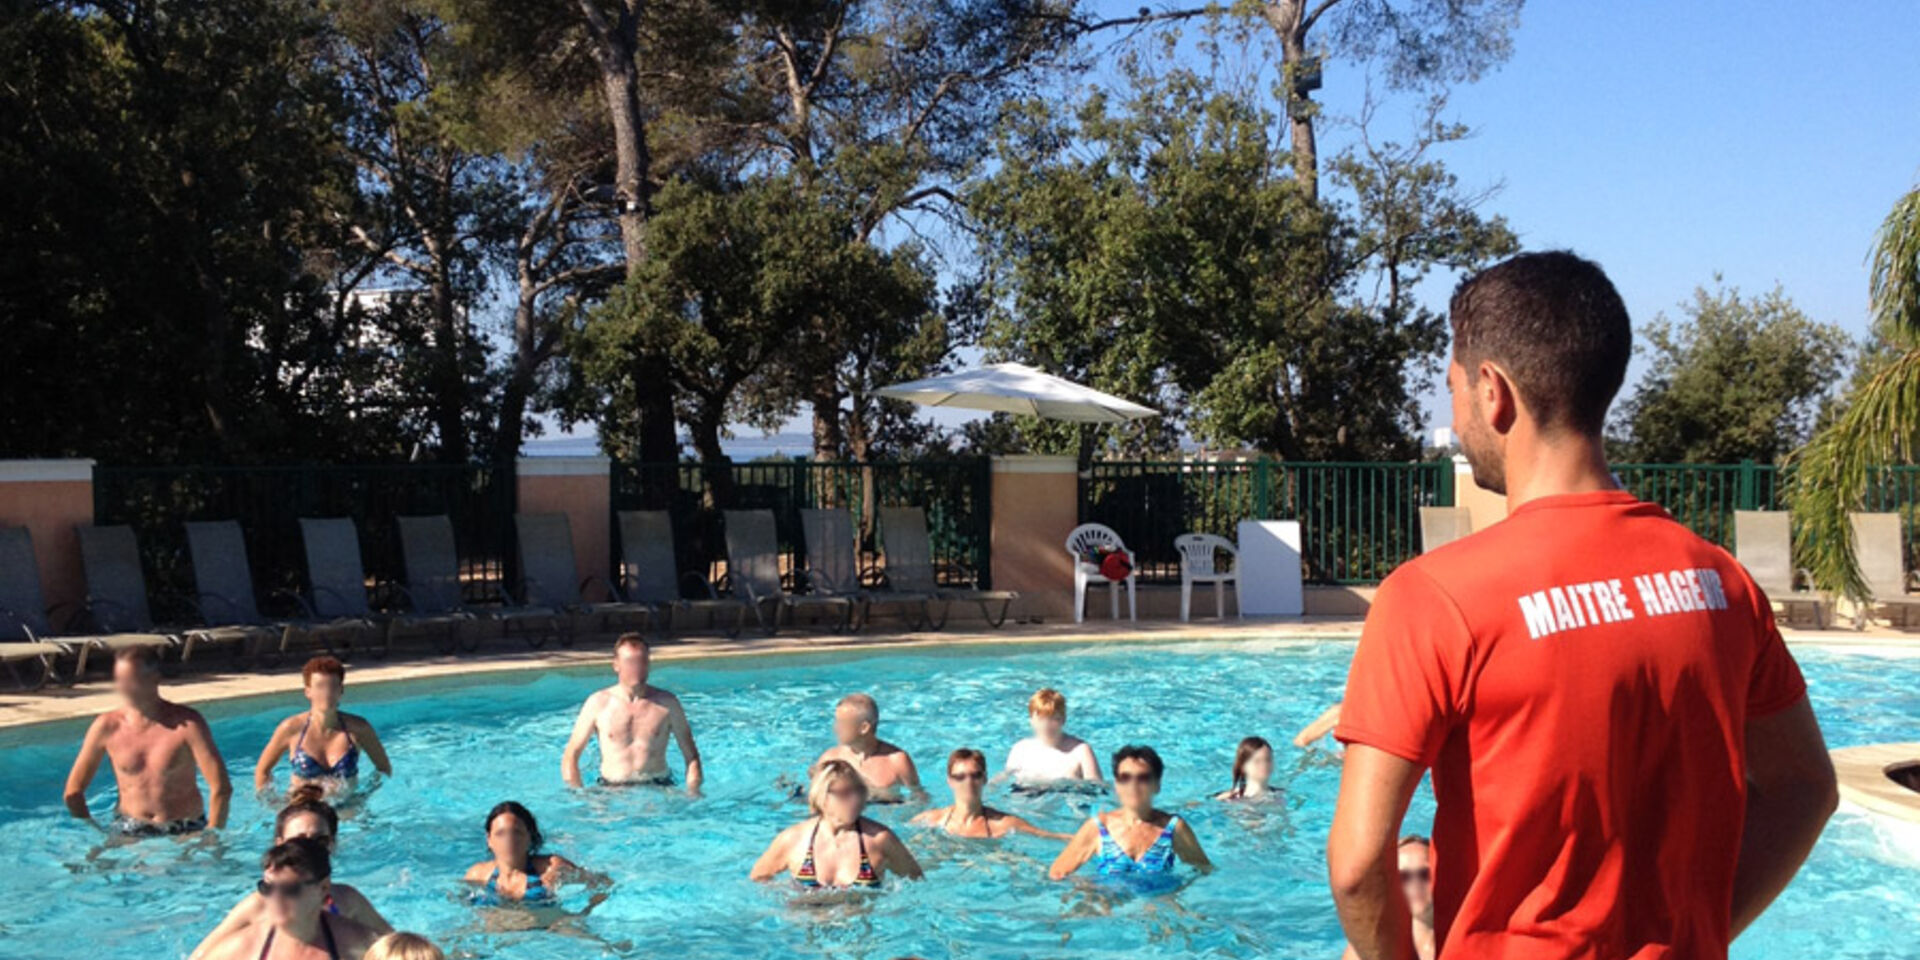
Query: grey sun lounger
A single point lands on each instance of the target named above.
(833, 568)
(549, 577)
(223, 592)
(434, 588)
(649, 574)
(117, 594)
(26, 629)
(337, 583)
(909, 566)
(1880, 550)
(753, 568)
(1440, 526)
(1763, 543)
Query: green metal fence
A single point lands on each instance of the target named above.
(955, 493)
(1704, 496)
(1357, 520)
(269, 502)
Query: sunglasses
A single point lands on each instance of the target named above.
(976, 776)
(291, 890)
(1127, 779)
(1422, 875)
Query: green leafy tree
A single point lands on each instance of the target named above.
(1737, 378)
(1879, 423)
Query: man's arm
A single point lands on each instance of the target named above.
(683, 735)
(92, 750)
(1362, 859)
(577, 742)
(1318, 728)
(1790, 795)
(1089, 767)
(206, 753)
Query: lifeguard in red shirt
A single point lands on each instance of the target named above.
(1623, 755)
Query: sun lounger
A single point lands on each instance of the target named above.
(909, 568)
(27, 635)
(337, 583)
(223, 587)
(1763, 543)
(833, 568)
(117, 595)
(549, 576)
(434, 586)
(649, 573)
(1880, 550)
(753, 568)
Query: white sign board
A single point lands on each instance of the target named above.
(1270, 568)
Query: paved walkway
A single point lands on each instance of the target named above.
(86, 699)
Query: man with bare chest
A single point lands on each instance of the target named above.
(155, 746)
(632, 722)
(887, 769)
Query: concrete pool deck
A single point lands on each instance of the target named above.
(53, 704)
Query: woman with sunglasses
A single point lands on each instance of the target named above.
(518, 872)
(1252, 771)
(968, 816)
(837, 848)
(306, 816)
(1137, 840)
(1416, 880)
(294, 886)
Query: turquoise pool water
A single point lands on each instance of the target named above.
(680, 866)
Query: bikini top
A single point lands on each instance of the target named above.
(1157, 858)
(326, 930)
(306, 766)
(809, 878)
(536, 891)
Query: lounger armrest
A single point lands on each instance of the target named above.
(714, 590)
(605, 584)
(206, 603)
(92, 607)
(11, 618)
(301, 604)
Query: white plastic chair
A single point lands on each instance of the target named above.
(1085, 537)
(1199, 563)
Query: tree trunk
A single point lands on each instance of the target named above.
(616, 46)
(519, 386)
(829, 434)
(1287, 17)
(450, 385)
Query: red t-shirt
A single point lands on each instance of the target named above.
(1579, 678)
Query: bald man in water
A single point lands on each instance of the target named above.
(888, 770)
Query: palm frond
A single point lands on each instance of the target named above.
(1893, 274)
(1829, 477)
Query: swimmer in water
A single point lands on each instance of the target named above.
(1252, 770)
(632, 721)
(296, 924)
(837, 848)
(155, 746)
(518, 872)
(1051, 755)
(1137, 838)
(323, 744)
(968, 817)
(306, 815)
(887, 769)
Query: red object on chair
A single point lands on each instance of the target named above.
(1116, 566)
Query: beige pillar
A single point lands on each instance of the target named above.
(1036, 503)
(1484, 506)
(581, 488)
(50, 498)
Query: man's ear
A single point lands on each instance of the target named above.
(1496, 397)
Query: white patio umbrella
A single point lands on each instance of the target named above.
(1018, 388)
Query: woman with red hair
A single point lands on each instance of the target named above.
(323, 744)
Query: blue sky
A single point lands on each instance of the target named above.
(1670, 141)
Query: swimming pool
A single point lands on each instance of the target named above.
(680, 866)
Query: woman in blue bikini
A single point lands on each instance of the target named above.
(322, 745)
(1136, 841)
(518, 872)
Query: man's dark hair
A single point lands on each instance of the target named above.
(142, 656)
(306, 856)
(631, 640)
(1558, 327)
(1145, 755)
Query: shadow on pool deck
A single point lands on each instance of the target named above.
(214, 679)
